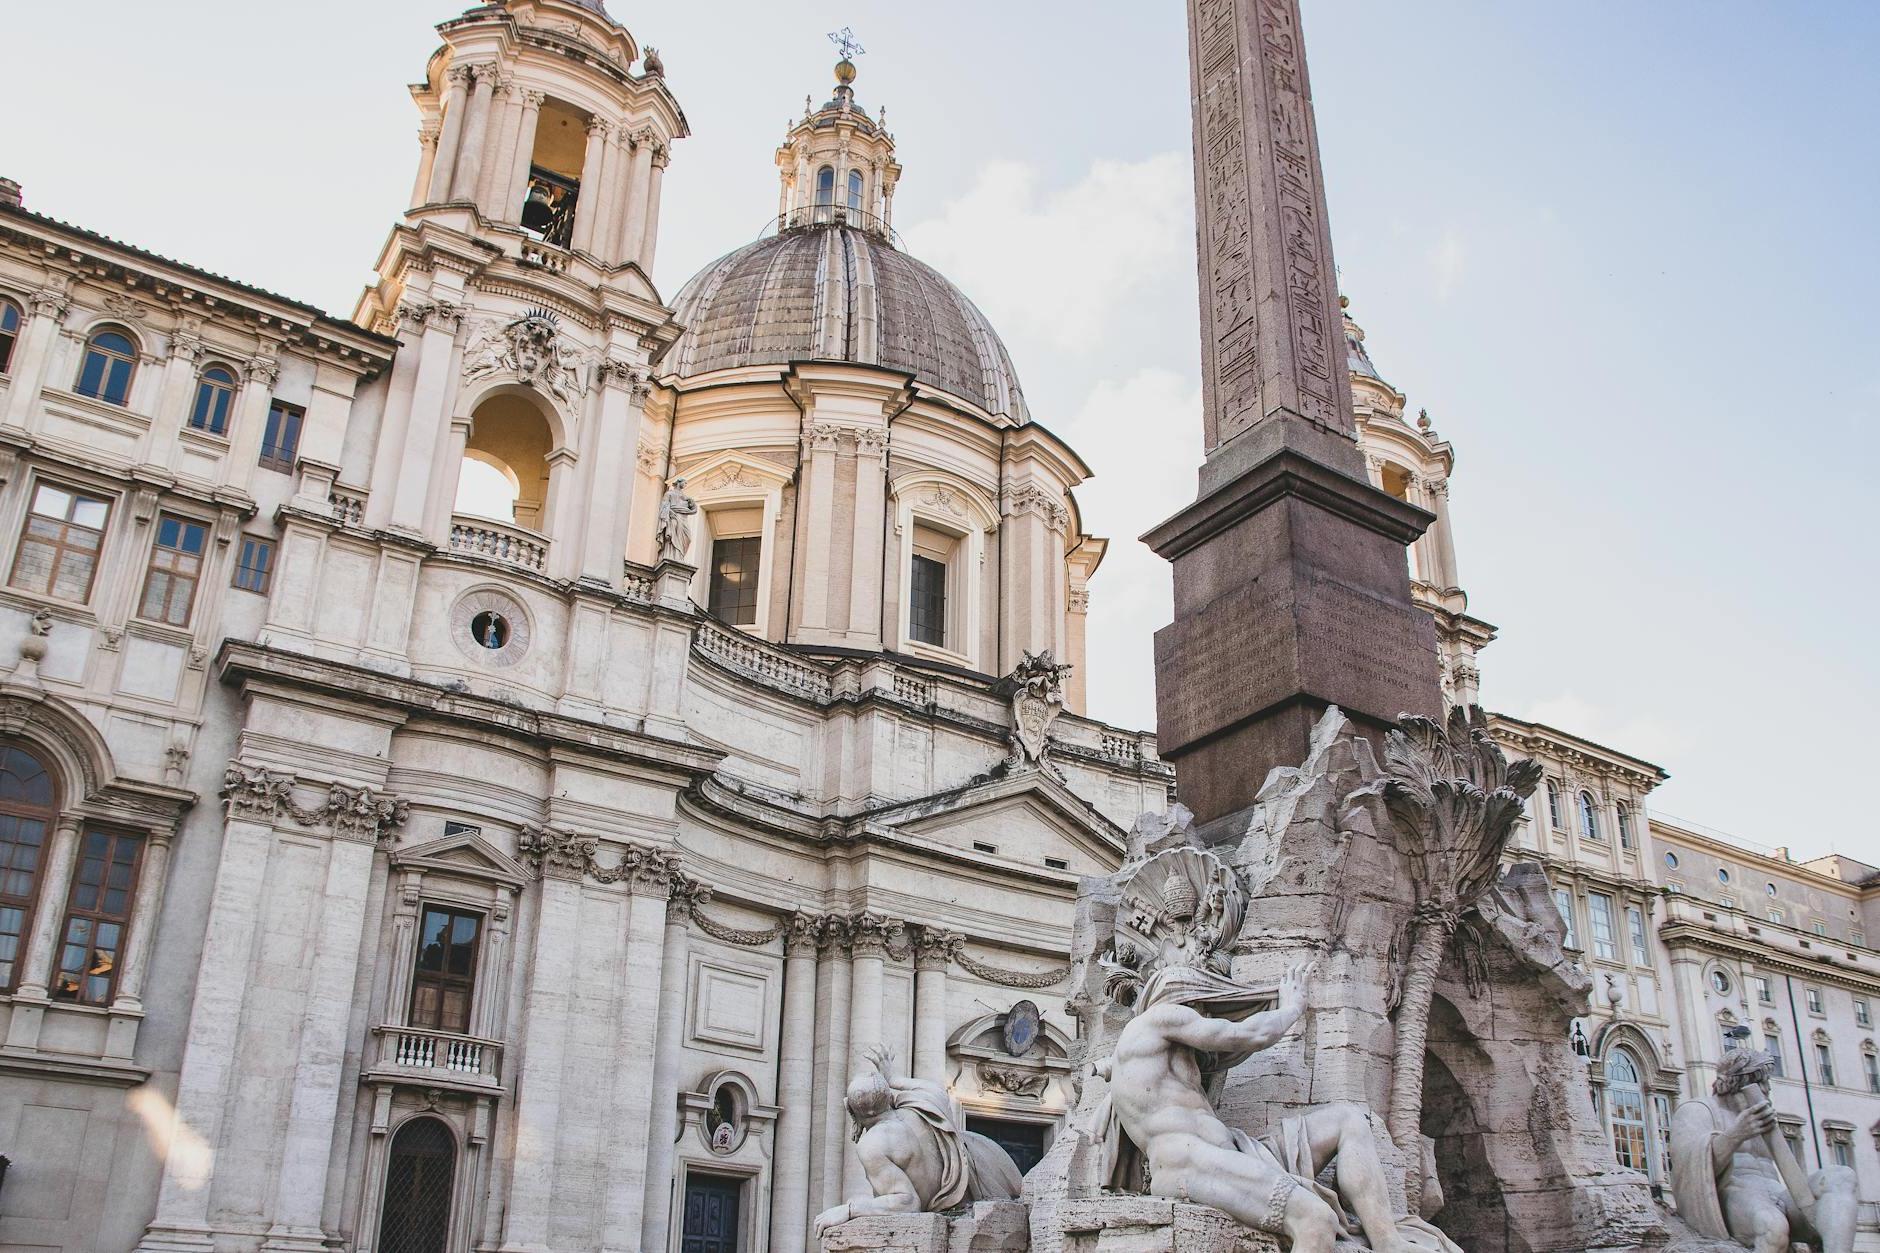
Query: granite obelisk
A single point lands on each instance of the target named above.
(1292, 589)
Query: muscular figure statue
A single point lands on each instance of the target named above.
(918, 1156)
(1735, 1177)
(1190, 1024)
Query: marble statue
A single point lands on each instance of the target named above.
(1191, 1024)
(915, 1149)
(674, 533)
(1735, 1178)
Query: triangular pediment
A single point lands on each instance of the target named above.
(467, 854)
(1025, 817)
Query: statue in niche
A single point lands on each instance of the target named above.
(1736, 1179)
(916, 1150)
(674, 533)
(1182, 909)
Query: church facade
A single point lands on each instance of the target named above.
(473, 774)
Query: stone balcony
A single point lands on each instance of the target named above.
(501, 542)
(437, 1059)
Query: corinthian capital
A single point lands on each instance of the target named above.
(263, 370)
(49, 302)
(934, 948)
(871, 934)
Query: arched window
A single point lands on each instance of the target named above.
(110, 362)
(28, 806)
(1625, 1109)
(9, 332)
(1589, 816)
(855, 190)
(1625, 825)
(826, 186)
(416, 1218)
(215, 395)
(1554, 816)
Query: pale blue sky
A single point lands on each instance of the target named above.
(1623, 252)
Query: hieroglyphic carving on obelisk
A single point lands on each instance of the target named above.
(1271, 339)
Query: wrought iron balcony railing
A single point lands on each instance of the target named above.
(812, 216)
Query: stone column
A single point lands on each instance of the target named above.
(61, 858)
(1448, 575)
(175, 398)
(409, 318)
(427, 161)
(662, 1118)
(442, 503)
(476, 127)
(525, 156)
(45, 310)
(450, 134)
(432, 390)
(313, 1108)
(1290, 587)
(606, 203)
(865, 581)
(249, 427)
(557, 943)
(639, 180)
(622, 165)
(868, 940)
(933, 953)
(587, 208)
(1076, 624)
(816, 508)
(832, 1010)
(623, 391)
(501, 145)
(796, 1074)
(209, 1056)
(649, 238)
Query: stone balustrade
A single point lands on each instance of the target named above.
(425, 1056)
(754, 659)
(348, 505)
(495, 541)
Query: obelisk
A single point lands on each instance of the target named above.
(1292, 589)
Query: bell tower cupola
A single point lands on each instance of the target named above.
(836, 164)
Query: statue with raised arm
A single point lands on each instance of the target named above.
(674, 532)
(916, 1150)
(1191, 1024)
(1735, 1178)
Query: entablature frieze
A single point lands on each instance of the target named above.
(1691, 935)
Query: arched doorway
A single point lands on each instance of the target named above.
(505, 471)
(418, 1182)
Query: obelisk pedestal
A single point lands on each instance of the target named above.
(1292, 590)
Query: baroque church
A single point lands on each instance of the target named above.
(474, 775)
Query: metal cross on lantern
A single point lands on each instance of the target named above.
(846, 43)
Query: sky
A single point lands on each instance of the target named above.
(1623, 253)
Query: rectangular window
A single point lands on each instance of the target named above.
(1772, 1045)
(280, 439)
(1862, 1014)
(927, 604)
(58, 552)
(254, 568)
(1775, 916)
(1635, 922)
(1564, 902)
(1813, 996)
(1765, 991)
(1821, 928)
(1824, 1064)
(1661, 1105)
(22, 848)
(1872, 1065)
(1793, 1135)
(1605, 939)
(734, 579)
(97, 913)
(1841, 1148)
(1857, 938)
(445, 979)
(175, 569)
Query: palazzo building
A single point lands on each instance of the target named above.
(474, 775)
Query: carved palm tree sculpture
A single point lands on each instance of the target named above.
(1453, 798)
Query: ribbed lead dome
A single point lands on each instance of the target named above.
(835, 292)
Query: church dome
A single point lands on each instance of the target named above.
(832, 291)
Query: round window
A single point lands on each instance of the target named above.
(1671, 860)
(490, 630)
(1720, 981)
(1771, 889)
(1723, 876)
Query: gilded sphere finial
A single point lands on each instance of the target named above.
(845, 71)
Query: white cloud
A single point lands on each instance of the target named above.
(1060, 265)
(1447, 258)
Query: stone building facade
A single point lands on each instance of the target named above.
(473, 775)
(1771, 953)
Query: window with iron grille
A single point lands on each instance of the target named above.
(280, 439)
(734, 579)
(444, 982)
(927, 608)
(254, 567)
(175, 569)
(59, 547)
(418, 1173)
(97, 914)
(28, 808)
